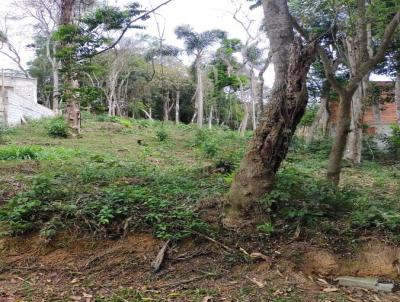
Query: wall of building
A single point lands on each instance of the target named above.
(20, 102)
(19, 109)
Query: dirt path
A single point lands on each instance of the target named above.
(79, 269)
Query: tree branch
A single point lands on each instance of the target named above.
(380, 54)
(128, 26)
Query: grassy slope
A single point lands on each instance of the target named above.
(108, 185)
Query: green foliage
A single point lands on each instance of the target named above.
(299, 197)
(157, 200)
(393, 140)
(309, 116)
(267, 228)
(58, 127)
(161, 134)
(19, 152)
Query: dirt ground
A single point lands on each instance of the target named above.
(74, 268)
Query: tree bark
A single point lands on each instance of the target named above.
(269, 145)
(339, 144)
(177, 104)
(321, 120)
(397, 97)
(199, 95)
(245, 120)
(73, 114)
(210, 117)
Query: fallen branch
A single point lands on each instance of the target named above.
(156, 264)
(214, 241)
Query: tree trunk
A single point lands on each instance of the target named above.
(56, 90)
(210, 118)
(253, 89)
(245, 120)
(397, 97)
(269, 145)
(166, 108)
(339, 144)
(354, 139)
(356, 47)
(321, 120)
(73, 110)
(73, 115)
(199, 96)
(178, 94)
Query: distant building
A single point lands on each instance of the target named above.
(18, 99)
(380, 110)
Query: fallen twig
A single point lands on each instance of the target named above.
(156, 264)
(214, 241)
(175, 284)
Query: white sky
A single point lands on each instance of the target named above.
(200, 14)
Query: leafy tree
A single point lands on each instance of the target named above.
(197, 44)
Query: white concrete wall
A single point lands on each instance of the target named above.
(19, 109)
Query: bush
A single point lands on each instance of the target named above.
(19, 152)
(157, 200)
(161, 134)
(299, 197)
(58, 127)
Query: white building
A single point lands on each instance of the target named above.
(18, 99)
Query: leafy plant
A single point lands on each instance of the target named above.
(161, 134)
(58, 127)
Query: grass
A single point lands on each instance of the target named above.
(137, 175)
(127, 176)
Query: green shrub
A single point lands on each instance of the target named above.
(300, 197)
(159, 201)
(210, 148)
(309, 116)
(58, 127)
(19, 152)
(161, 134)
(267, 228)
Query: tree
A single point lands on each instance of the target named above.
(364, 65)
(8, 48)
(197, 44)
(269, 145)
(46, 14)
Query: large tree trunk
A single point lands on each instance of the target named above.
(199, 95)
(397, 97)
(268, 148)
(73, 110)
(73, 114)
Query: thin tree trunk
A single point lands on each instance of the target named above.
(268, 148)
(199, 96)
(56, 90)
(397, 97)
(178, 94)
(253, 89)
(245, 120)
(321, 120)
(166, 108)
(210, 118)
(339, 144)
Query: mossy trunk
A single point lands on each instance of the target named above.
(270, 144)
